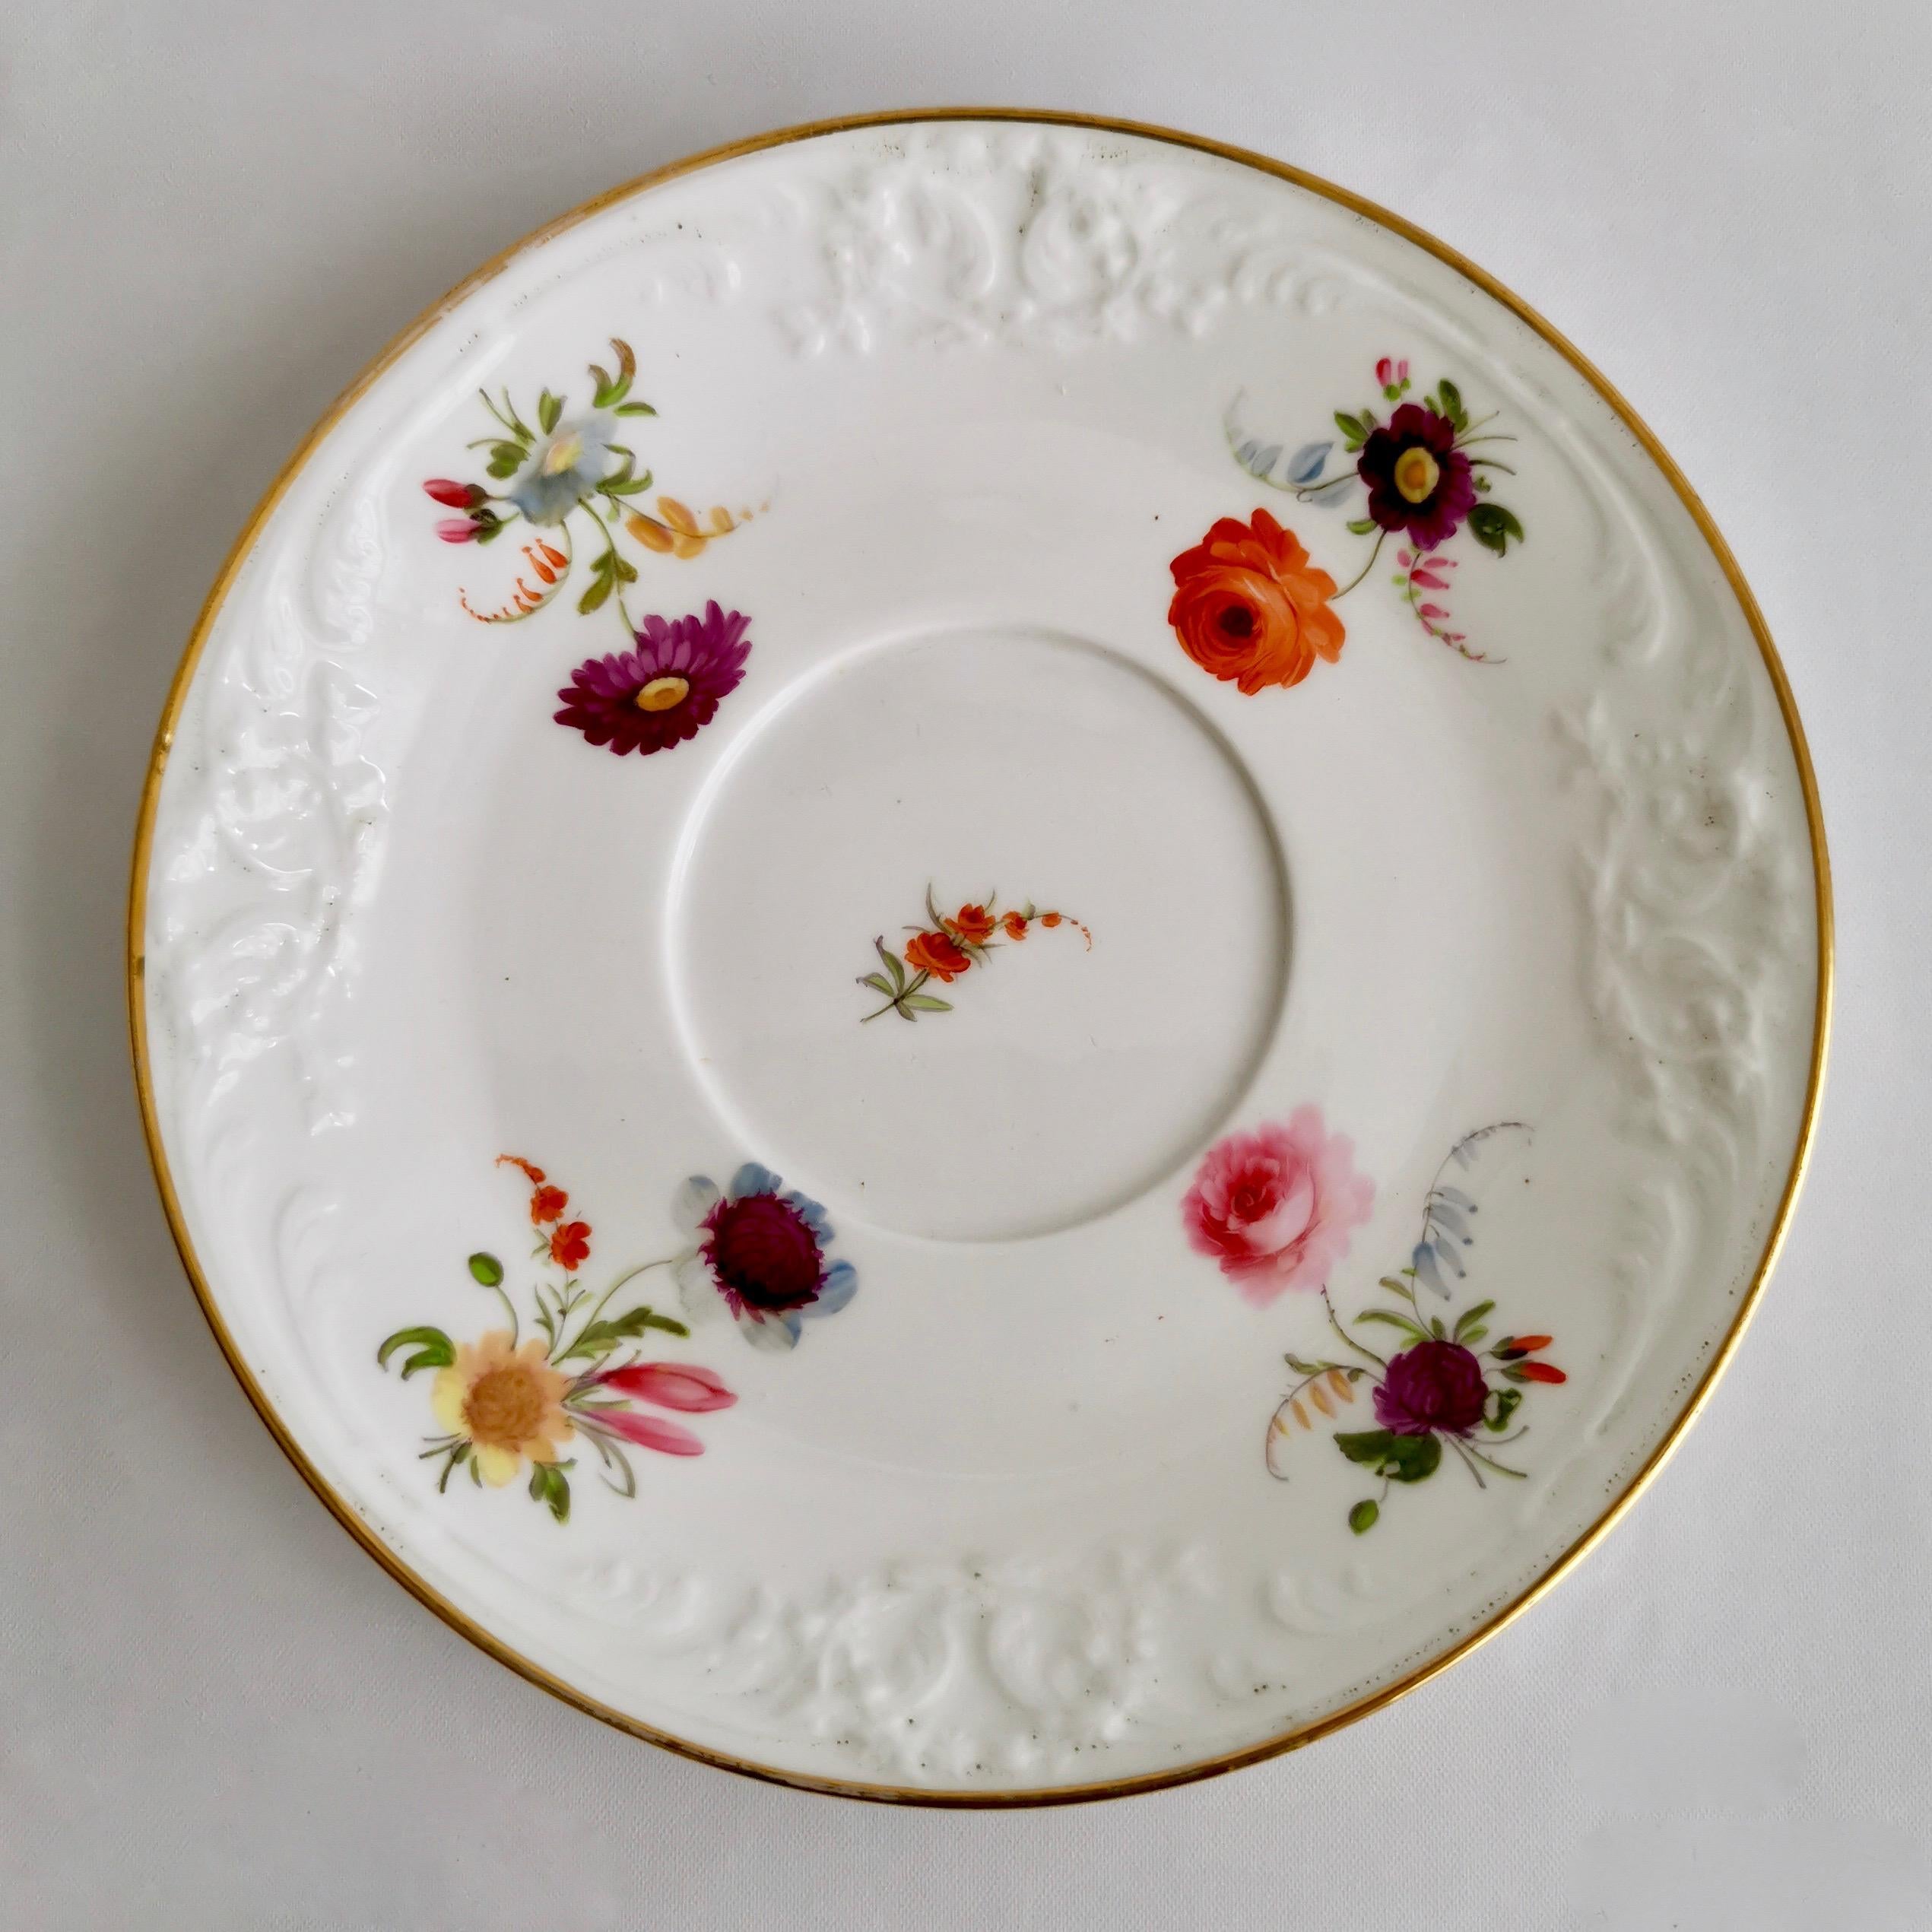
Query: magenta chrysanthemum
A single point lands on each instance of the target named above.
(666, 690)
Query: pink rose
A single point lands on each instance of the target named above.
(1275, 1207)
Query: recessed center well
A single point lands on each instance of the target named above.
(1009, 771)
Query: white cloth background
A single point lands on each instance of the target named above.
(214, 1711)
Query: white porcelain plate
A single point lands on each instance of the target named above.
(1173, 764)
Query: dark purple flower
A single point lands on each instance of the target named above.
(764, 1252)
(1418, 480)
(761, 1247)
(1433, 1386)
(664, 691)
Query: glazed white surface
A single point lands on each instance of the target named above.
(1690, 1726)
(1005, 1524)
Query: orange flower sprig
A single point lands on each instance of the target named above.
(943, 948)
(566, 1243)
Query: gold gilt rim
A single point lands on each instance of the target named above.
(889, 1794)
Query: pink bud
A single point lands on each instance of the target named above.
(456, 530)
(1384, 371)
(457, 496)
(668, 1438)
(671, 1385)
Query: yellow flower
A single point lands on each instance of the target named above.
(507, 1402)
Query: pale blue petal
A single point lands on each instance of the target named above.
(751, 1179)
(770, 1335)
(694, 1200)
(1424, 1260)
(841, 1284)
(812, 1214)
(698, 1289)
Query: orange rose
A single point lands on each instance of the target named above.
(933, 953)
(972, 922)
(1249, 608)
(1015, 925)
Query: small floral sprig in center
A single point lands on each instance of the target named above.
(944, 947)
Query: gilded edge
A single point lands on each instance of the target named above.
(345, 1512)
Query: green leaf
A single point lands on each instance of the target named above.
(548, 1484)
(925, 1003)
(1436, 1329)
(549, 408)
(487, 1270)
(1475, 1336)
(1395, 1287)
(1507, 1401)
(1352, 427)
(626, 486)
(597, 596)
(1493, 526)
(505, 459)
(1394, 1320)
(1452, 403)
(600, 1337)
(614, 388)
(1400, 1458)
(1362, 525)
(877, 982)
(1365, 1445)
(1470, 1317)
(435, 1350)
(1301, 1368)
(891, 964)
(626, 570)
(636, 409)
(1363, 1516)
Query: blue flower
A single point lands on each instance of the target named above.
(564, 467)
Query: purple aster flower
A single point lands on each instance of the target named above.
(761, 1252)
(1418, 480)
(1434, 1385)
(664, 691)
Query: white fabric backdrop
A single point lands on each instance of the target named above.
(214, 1711)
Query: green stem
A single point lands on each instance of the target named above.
(496, 1288)
(1502, 1469)
(1381, 537)
(522, 434)
(912, 985)
(598, 1307)
(1466, 1464)
(1348, 1340)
